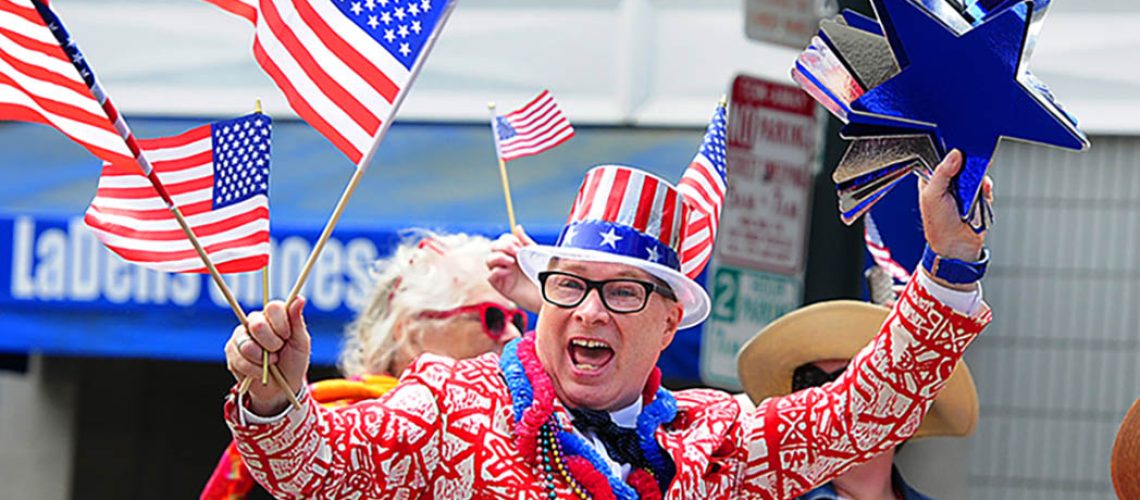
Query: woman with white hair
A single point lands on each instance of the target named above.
(430, 296)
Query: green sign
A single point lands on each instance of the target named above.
(743, 302)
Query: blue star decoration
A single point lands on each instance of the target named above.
(967, 90)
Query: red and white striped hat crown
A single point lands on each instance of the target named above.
(626, 198)
(628, 216)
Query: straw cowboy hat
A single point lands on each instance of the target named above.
(1126, 455)
(839, 329)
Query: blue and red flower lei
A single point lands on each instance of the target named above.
(544, 444)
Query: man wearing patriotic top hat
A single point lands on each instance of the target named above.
(575, 408)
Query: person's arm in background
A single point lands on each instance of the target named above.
(506, 276)
(807, 438)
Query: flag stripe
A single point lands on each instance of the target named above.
(309, 93)
(525, 119)
(136, 220)
(605, 185)
(537, 137)
(287, 36)
(226, 261)
(645, 205)
(162, 242)
(172, 147)
(529, 107)
(129, 180)
(247, 10)
(593, 180)
(668, 218)
(302, 107)
(188, 256)
(39, 60)
(175, 170)
(61, 104)
(549, 144)
(370, 75)
(616, 196)
(187, 209)
(39, 83)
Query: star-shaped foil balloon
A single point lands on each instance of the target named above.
(931, 76)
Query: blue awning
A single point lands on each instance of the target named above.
(68, 295)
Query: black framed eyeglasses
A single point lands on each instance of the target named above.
(620, 295)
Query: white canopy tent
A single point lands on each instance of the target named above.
(645, 62)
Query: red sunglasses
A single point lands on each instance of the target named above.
(493, 317)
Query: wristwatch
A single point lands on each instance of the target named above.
(958, 272)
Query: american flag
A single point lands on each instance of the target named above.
(703, 186)
(531, 129)
(343, 65)
(44, 81)
(218, 176)
(881, 253)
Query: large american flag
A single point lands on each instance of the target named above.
(218, 176)
(40, 81)
(343, 65)
(703, 186)
(531, 129)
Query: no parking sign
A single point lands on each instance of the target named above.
(773, 137)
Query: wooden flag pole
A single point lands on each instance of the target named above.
(63, 38)
(340, 204)
(502, 166)
(362, 165)
(264, 289)
(267, 369)
(264, 302)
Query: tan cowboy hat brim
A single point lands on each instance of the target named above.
(1126, 455)
(839, 330)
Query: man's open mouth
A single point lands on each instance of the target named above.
(589, 354)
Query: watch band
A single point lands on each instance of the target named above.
(958, 272)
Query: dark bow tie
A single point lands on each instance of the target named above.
(621, 443)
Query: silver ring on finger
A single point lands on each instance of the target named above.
(243, 340)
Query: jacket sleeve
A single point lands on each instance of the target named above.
(382, 448)
(810, 437)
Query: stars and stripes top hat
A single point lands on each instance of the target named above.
(627, 216)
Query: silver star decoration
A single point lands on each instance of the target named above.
(653, 255)
(610, 238)
(570, 234)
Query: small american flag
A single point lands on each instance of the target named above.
(343, 65)
(218, 176)
(42, 81)
(703, 186)
(531, 129)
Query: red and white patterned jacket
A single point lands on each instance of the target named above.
(446, 431)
